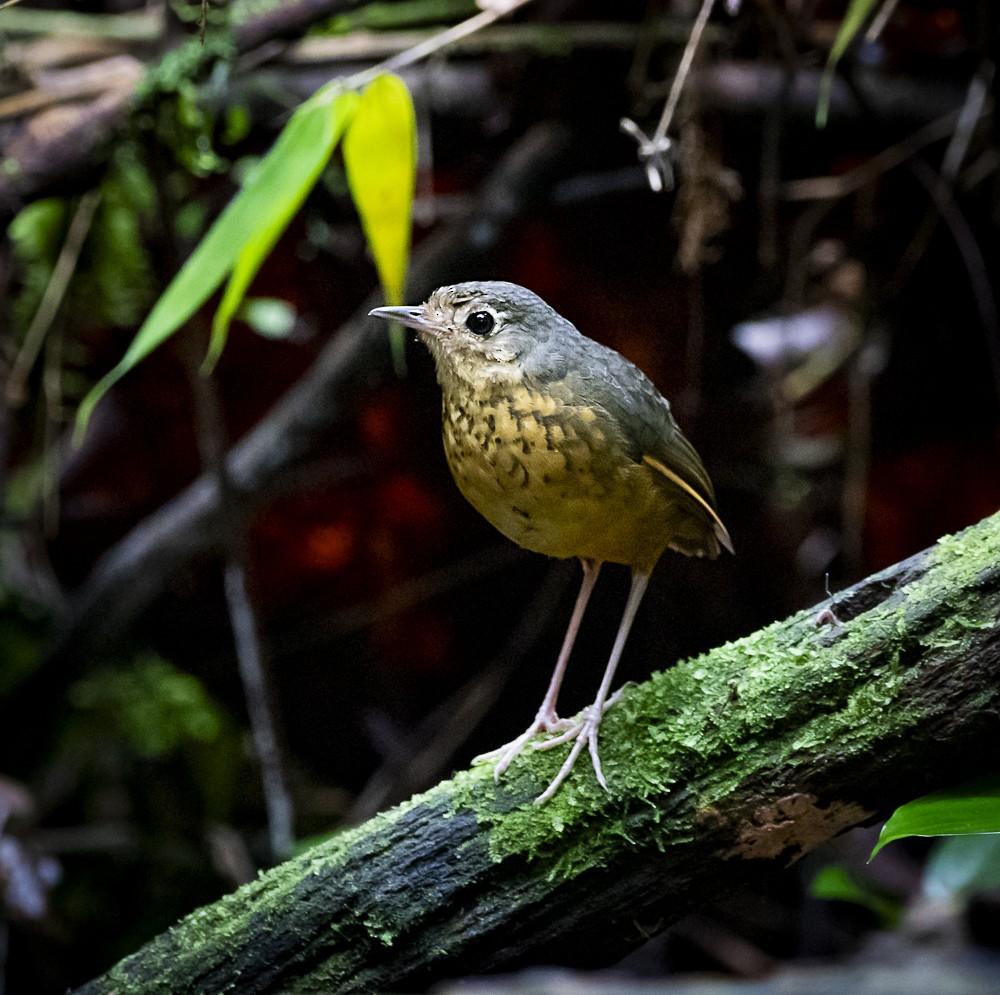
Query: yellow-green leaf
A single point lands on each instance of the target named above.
(380, 155)
(851, 26)
(245, 231)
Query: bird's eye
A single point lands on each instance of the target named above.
(480, 322)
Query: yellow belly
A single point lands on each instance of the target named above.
(554, 478)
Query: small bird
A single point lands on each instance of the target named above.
(569, 450)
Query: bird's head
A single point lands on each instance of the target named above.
(481, 327)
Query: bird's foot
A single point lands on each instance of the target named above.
(545, 722)
(583, 735)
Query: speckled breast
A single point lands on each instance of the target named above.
(552, 475)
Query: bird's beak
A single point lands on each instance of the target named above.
(412, 317)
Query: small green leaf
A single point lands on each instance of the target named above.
(245, 230)
(380, 158)
(36, 233)
(835, 883)
(269, 317)
(399, 15)
(968, 809)
(37, 229)
(851, 26)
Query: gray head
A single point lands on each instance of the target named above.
(480, 325)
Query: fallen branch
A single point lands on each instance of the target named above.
(745, 757)
(76, 113)
(65, 139)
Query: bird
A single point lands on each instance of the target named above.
(569, 450)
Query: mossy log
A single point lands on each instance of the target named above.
(745, 757)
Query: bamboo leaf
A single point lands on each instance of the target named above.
(852, 25)
(965, 810)
(249, 262)
(380, 157)
(243, 234)
(257, 249)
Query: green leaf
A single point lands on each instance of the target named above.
(835, 883)
(968, 809)
(380, 158)
(399, 15)
(36, 233)
(257, 249)
(851, 26)
(244, 232)
(37, 230)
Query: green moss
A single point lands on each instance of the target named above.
(188, 61)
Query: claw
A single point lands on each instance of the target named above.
(584, 734)
(504, 755)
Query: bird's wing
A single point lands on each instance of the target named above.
(643, 418)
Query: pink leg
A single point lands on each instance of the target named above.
(584, 733)
(547, 720)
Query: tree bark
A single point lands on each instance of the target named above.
(744, 758)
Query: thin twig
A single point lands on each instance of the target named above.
(879, 21)
(865, 364)
(951, 164)
(420, 51)
(403, 597)
(541, 39)
(139, 26)
(242, 617)
(772, 137)
(52, 394)
(250, 659)
(976, 96)
(687, 59)
(653, 151)
(833, 187)
(972, 258)
(52, 298)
